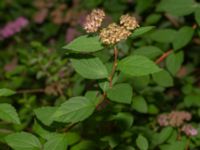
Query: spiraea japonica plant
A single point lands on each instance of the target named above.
(102, 116)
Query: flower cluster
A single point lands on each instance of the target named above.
(13, 27)
(177, 119)
(94, 20)
(129, 22)
(113, 33)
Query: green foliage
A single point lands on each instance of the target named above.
(163, 78)
(8, 113)
(142, 143)
(90, 68)
(74, 110)
(174, 61)
(55, 142)
(183, 37)
(139, 104)
(163, 35)
(177, 7)
(68, 90)
(140, 31)
(84, 44)
(6, 92)
(121, 93)
(137, 66)
(23, 141)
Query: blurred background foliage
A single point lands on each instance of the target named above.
(32, 64)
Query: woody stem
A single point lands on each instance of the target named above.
(114, 66)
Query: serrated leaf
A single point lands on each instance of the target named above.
(183, 37)
(85, 44)
(44, 114)
(6, 92)
(74, 110)
(90, 68)
(137, 66)
(121, 93)
(8, 113)
(142, 143)
(141, 30)
(23, 141)
(56, 142)
(163, 35)
(163, 78)
(139, 104)
(177, 7)
(148, 51)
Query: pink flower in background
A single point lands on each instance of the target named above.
(13, 27)
(189, 130)
(71, 34)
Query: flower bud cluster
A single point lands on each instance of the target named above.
(178, 119)
(94, 20)
(113, 33)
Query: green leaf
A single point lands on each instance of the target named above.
(23, 141)
(56, 142)
(93, 96)
(121, 93)
(163, 35)
(41, 130)
(90, 68)
(8, 113)
(177, 7)
(139, 104)
(84, 145)
(164, 135)
(6, 92)
(44, 114)
(192, 100)
(183, 37)
(174, 62)
(124, 119)
(137, 66)
(113, 141)
(142, 143)
(175, 145)
(74, 110)
(72, 138)
(163, 78)
(197, 15)
(142, 30)
(148, 51)
(85, 44)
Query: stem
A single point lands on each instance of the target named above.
(30, 91)
(161, 58)
(70, 127)
(187, 144)
(114, 66)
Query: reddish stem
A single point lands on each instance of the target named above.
(161, 58)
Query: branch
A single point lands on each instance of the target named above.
(114, 66)
(30, 91)
(161, 58)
